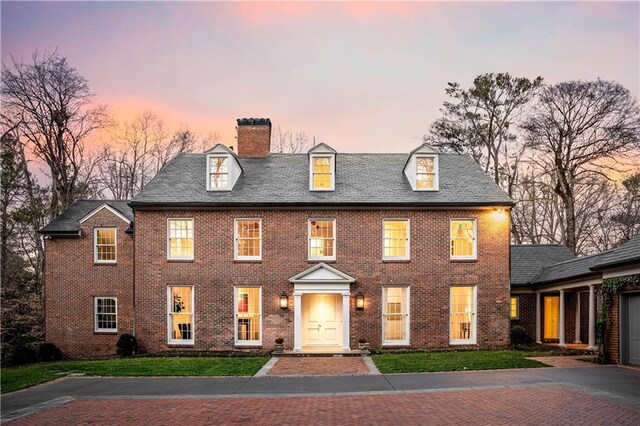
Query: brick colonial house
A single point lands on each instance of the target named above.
(228, 250)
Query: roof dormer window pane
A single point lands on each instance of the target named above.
(322, 172)
(425, 172)
(218, 172)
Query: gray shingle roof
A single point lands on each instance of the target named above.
(67, 221)
(527, 260)
(283, 179)
(627, 253)
(577, 268)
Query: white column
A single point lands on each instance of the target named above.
(577, 338)
(561, 325)
(592, 318)
(346, 299)
(538, 334)
(297, 322)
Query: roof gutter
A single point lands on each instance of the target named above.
(615, 264)
(312, 205)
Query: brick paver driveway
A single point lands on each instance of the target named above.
(534, 405)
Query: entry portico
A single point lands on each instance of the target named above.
(321, 303)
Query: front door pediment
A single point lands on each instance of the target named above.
(322, 273)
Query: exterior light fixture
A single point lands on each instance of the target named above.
(499, 215)
(359, 301)
(284, 301)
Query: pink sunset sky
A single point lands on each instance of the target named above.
(358, 76)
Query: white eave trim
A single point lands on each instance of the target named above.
(337, 276)
(108, 207)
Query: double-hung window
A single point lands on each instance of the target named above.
(105, 246)
(514, 307)
(395, 315)
(248, 326)
(105, 314)
(322, 239)
(180, 315)
(463, 316)
(180, 239)
(396, 239)
(218, 168)
(322, 178)
(463, 239)
(426, 173)
(248, 239)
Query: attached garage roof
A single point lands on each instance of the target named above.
(527, 260)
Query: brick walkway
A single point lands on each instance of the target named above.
(566, 361)
(523, 406)
(319, 366)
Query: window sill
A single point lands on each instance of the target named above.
(247, 261)
(105, 263)
(463, 343)
(396, 260)
(464, 260)
(181, 345)
(392, 345)
(248, 345)
(180, 260)
(321, 260)
(105, 332)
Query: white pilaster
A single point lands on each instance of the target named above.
(561, 319)
(538, 334)
(592, 318)
(346, 299)
(577, 336)
(297, 322)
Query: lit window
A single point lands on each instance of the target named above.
(322, 239)
(322, 173)
(396, 239)
(105, 245)
(462, 325)
(106, 314)
(180, 239)
(514, 308)
(463, 239)
(395, 316)
(248, 243)
(180, 310)
(218, 172)
(425, 173)
(248, 316)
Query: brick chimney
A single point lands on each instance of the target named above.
(254, 137)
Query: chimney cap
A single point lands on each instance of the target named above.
(254, 122)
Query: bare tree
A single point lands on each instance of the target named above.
(52, 105)
(288, 141)
(574, 127)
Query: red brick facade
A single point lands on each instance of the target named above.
(73, 280)
(612, 332)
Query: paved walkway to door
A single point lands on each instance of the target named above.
(580, 361)
(319, 366)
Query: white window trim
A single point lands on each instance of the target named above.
(474, 323)
(408, 241)
(436, 172)
(335, 239)
(95, 244)
(192, 257)
(224, 188)
(95, 315)
(332, 159)
(517, 317)
(474, 256)
(236, 256)
(236, 341)
(171, 341)
(407, 324)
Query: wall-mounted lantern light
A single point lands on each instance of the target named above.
(284, 301)
(499, 215)
(359, 301)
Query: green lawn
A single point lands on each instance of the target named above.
(16, 378)
(455, 361)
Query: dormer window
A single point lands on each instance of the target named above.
(218, 172)
(322, 168)
(421, 169)
(425, 172)
(223, 168)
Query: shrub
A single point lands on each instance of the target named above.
(22, 353)
(362, 340)
(127, 345)
(49, 352)
(518, 335)
(280, 340)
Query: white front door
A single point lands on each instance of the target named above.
(322, 320)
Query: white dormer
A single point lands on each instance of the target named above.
(223, 168)
(322, 168)
(422, 169)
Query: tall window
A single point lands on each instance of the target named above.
(180, 312)
(248, 316)
(425, 173)
(396, 239)
(514, 307)
(322, 173)
(462, 324)
(218, 172)
(395, 315)
(322, 239)
(180, 239)
(104, 245)
(248, 242)
(463, 239)
(106, 314)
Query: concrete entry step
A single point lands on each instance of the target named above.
(322, 366)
